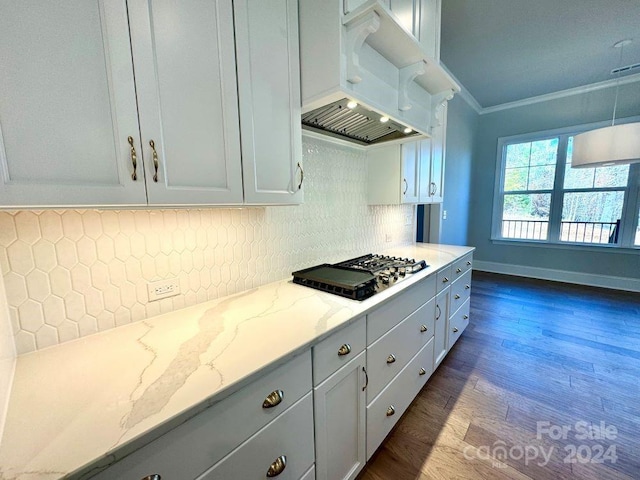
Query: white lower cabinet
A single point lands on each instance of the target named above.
(284, 448)
(458, 322)
(339, 408)
(440, 340)
(388, 407)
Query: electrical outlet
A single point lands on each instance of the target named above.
(444, 214)
(163, 289)
(387, 238)
(408, 219)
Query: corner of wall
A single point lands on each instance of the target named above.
(7, 356)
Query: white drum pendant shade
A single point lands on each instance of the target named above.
(615, 145)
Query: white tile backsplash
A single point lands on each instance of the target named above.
(71, 273)
(7, 356)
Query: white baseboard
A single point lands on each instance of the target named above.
(604, 281)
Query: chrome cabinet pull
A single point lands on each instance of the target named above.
(458, 270)
(467, 287)
(366, 379)
(445, 280)
(439, 311)
(301, 176)
(456, 296)
(391, 410)
(273, 399)
(134, 159)
(344, 350)
(455, 330)
(391, 358)
(277, 467)
(155, 476)
(155, 160)
(434, 188)
(406, 186)
(468, 264)
(423, 328)
(466, 317)
(422, 372)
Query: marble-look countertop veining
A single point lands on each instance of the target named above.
(86, 403)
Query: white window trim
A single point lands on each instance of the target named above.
(629, 216)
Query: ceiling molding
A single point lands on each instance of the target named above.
(464, 93)
(480, 110)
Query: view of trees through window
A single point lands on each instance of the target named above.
(588, 202)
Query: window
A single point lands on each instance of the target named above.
(540, 198)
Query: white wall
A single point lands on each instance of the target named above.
(7, 355)
(72, 273)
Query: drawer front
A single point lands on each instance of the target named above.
(397, 396)
(398, 308)
(458, 323)
(461, 266)
(310, 475)
(460, 291)
(338, 349)
(387, 356)
(289, 437)
(443, 278)
(209, 436)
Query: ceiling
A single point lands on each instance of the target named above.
(509, 50)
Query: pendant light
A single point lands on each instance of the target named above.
(614, 145)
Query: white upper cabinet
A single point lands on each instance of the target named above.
(78, 127)
(422, 19)
(269, 89)
(410, 173)
(67, 105)
(187, 97)
(393, 174)
(432, 153)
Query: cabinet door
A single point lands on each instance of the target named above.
(410, 173)
(187, 92)
(339, 409)
(437, 160)
(67, 105)
(407, 12)
(428, 27)
(425, 187)
(441, 342)
(269, 90)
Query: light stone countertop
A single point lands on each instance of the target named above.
(89, 402)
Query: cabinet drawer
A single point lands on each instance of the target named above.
(458, 322)
(387, 356)
(289, 437)
(443, 278)
(395, 310)
(460, 291)
(203, 440)
(338, 349)
(440, 340)
(397, 396)
(461, 266)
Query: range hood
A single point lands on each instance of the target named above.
(364, 77)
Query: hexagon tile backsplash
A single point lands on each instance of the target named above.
(71, 273)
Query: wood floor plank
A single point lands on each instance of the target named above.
(535, 351)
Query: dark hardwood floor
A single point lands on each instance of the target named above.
(537, 357)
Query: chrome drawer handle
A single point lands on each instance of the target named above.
(391, 358)
(366, 378)
(344, 350)
(273, 399)
(467, 287)
(423, 328)
(155, 476)
(277, 467)
(445, 280)
(466, 317)
(439, 312)
(458, 270)
(391, 410)
(455, 330)
(468, 264)
(456, 296)
(422, 372)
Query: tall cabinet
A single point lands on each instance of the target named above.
(149, 102)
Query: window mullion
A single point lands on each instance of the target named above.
(555, 214)
(629, 217)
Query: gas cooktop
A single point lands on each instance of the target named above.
(360, 277)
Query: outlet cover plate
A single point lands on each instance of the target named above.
(163, 289)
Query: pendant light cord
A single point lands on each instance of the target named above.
(615, 103)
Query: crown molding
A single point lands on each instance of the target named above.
(480, 110)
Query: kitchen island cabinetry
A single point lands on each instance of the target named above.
(136, 103)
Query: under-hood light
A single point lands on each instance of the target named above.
(351, 105)
(384, 119)
(408, 130)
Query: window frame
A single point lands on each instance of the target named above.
(631, 201)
